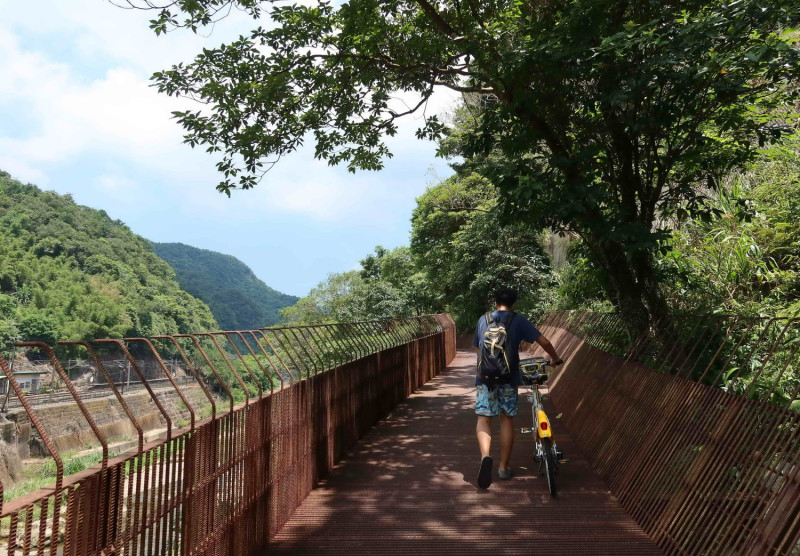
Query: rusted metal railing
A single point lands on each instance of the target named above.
(695, 425)
(220, 452)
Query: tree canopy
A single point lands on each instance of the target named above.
(460, 254)
(466, 253)
(602, 118)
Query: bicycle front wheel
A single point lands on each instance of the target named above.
(549, 464)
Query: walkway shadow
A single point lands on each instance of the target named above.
(409, 486)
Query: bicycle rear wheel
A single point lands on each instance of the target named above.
(549, 464)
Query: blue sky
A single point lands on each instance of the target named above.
(77, 115)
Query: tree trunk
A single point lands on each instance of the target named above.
(663, 321)
(634, 286)
(624, 285)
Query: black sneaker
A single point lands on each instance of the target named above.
(485, 474)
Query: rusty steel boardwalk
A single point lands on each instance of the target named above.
(409, 487)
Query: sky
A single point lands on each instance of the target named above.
(78, 115)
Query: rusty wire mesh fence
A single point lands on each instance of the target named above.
(694, 425)
(217, 438)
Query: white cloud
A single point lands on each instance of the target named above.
(97, 29)
(322, 194)
(117, 187)
(22, 171)
(122, 110)
(119, 113)
(78, 114)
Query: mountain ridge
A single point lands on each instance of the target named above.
(238, 299)
(70, 272)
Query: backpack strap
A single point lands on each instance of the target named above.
(509, 317)
(489, 319)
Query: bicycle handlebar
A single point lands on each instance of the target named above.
(536, 374)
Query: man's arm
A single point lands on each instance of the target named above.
(551, 351)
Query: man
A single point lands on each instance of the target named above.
(501, 398)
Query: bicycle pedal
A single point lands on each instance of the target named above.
(525, 430)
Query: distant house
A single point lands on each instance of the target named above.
(30, 381)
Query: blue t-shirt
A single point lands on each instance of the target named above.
(520, 330)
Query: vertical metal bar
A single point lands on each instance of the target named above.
(192, 370)
(211, 366)
(768, 357)
(37, 424)
(301, 345)
(227, 361)
(139, 373)
(74, 393)
(350, 349)
(317, 348)
(166, 372)
(255, 358)
(277, 356)
(288, 352)
(269, 361)
(112, 386)
(335, 348)
(257, 382)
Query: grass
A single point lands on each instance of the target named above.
(39, 476)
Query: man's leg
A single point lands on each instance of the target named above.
(506, 440)
(485, 407)
(484, 432)
(509, 407)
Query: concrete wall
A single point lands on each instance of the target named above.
(69, 430)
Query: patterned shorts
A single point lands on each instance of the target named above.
(490, 403)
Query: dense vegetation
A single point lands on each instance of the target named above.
(236, 297)
(746, 259)
(741, 256)
(68, 272)
(459, 255)
(598, 118)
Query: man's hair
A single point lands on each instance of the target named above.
(505, 297)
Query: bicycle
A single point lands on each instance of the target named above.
(547, 453)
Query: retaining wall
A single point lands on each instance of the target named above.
(69, 429)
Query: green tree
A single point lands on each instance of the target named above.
(394, 285)
(389, 285)
(466, 253)
(338, 299)
(38, 327)
(604, 115)
(579, 283)
(747, 261)
(9, 334)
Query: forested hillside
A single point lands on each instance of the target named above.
(238, 299)
(460, 254)
(69, 272)
(740, 255)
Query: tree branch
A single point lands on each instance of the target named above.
(460, 89)
(437, 19)
(460, 209)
